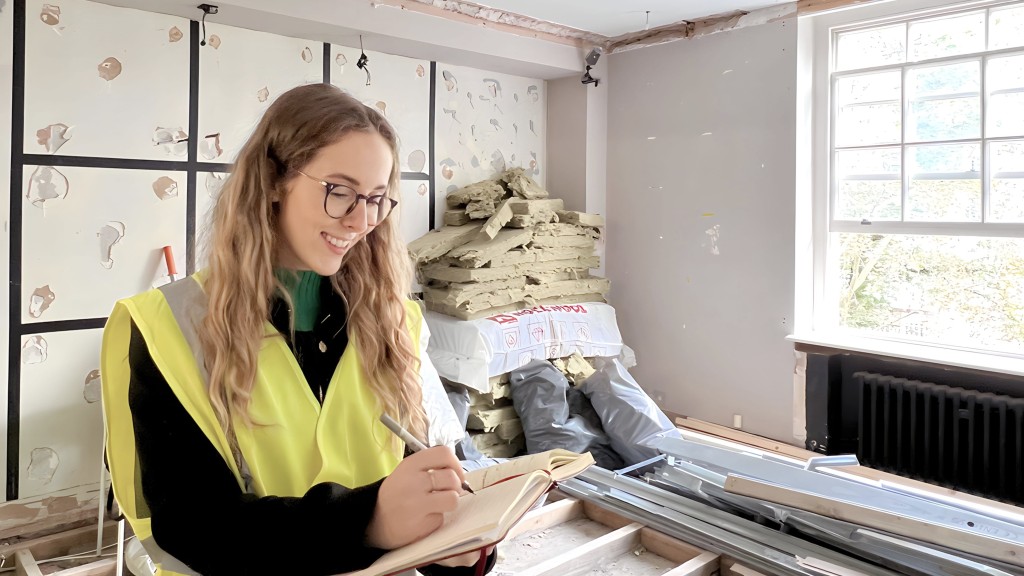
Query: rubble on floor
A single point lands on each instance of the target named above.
(505, 245)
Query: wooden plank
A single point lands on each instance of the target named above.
(604, 516)
(745, 438)
(64, 543)
(104, 567)
(668, 547)
(707, 564)
(493, 19)
(731, 567)
(895, 523)
(547, 516)
(589, 556)
(805, 7)
(25, 564)
(969, 501)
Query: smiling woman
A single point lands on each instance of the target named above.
(252, 391)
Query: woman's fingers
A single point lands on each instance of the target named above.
(437, 458)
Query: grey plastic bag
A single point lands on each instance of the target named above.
(539, 394)
(628, 415)
(465, 450)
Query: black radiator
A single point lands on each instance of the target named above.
(964, 439)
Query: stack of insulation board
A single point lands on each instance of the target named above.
(505, 245)
(493, 423)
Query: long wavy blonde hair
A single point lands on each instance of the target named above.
(374, 279)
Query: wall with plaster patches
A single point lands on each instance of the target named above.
(701, 204)
(485, 123)
(108, 89)
(6, 84)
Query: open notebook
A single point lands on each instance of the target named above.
(504, 493)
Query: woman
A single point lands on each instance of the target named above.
(242, 404)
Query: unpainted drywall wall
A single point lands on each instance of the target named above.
(700, 201)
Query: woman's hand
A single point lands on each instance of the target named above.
(413, 500)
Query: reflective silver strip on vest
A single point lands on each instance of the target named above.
(165, 560)
(188, 304)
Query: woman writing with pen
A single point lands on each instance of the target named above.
(243, 404)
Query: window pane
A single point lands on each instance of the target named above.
(1006, 192)
(866, 88)
(1007, 199)
(955, 290)
(1005, 82)
(947, 80)
(945, 119)
(1005, 73)
(1006, 28)
(1006, 114)
(1007, 157)
(945, 183)
(932, 117)
(868, 185)
(871, 47)
(869, 109)
(962, 34)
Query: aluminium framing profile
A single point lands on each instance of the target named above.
(966, 523)
(757, 546)
(907, 556)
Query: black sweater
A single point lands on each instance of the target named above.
(201, 517)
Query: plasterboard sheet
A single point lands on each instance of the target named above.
(93, 235)
(61, 422)
(105, 81)
(400, 88)
(207, 189)
(241, 72)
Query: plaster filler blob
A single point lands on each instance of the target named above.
(91, 389)
(109, 235)
(46, 183)
(165, 187)
(33, 351)
(43, 465)
(40, 301)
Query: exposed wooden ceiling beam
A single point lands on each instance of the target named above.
(505, 21)
(502, 20)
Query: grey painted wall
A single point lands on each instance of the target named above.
(567, 141)
(700, 210)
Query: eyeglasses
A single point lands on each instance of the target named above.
(340, 200)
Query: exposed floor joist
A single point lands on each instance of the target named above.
(505, 21)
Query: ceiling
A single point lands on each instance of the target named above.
(613, 18)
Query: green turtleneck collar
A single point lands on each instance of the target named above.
(304, 288)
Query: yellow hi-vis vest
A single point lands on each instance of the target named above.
(295, 443)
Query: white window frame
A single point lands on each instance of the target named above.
(816, 194)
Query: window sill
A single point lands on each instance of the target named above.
(1002, 364)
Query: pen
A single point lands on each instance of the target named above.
(411, 441)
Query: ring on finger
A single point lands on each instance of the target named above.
(433, 481)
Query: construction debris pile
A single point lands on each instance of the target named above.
(504, 246)
(493, 424)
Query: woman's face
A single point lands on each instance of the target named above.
(310, 238)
